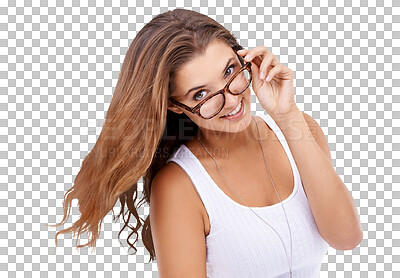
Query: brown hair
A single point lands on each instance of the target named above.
(139, 133)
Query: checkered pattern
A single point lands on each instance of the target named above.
(58, 68)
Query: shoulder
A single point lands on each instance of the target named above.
(176, 225)
(318, 135)
(172, 179)
(172, 188)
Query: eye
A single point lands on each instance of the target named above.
(230, 70)
(199, 93)
(230, 67)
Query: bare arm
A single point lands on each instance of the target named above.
(177, 225)
(330, 201)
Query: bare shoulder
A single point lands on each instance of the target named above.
(176, 180)
(176, 224)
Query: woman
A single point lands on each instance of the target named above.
(246, 196)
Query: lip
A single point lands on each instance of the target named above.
(237, 115)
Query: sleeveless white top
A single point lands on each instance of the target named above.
(240, 244)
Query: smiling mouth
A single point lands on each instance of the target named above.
(240, 103)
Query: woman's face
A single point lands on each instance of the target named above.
(211, 72)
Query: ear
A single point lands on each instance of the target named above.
(175, 109)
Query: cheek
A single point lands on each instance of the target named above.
(247, 95)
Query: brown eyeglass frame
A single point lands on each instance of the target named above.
(196, 109)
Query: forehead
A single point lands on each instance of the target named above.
(204, 69)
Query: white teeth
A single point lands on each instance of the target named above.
(236, 110)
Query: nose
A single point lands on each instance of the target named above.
(231, 101)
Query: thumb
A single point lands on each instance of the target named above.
(255, 76)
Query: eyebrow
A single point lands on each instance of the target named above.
(198, 87)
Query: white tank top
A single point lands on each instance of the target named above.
(239, 243)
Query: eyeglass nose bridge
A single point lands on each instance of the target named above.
(227, 90)
(223, 92)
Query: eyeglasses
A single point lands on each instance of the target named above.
(213, 104)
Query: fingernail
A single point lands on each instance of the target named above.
(262, 75)
(247, 57)
(268, 78)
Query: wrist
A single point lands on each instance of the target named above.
(287, 118)
(294, 127)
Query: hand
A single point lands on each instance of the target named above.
(272, 82)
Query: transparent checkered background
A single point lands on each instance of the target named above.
(59, 63)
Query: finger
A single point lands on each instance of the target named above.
(284, 72)
(258, 51)
(257, 61)
(242, 52)
(274, 72)
(257, 82)
(267, 61)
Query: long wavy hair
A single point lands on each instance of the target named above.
(139, 133)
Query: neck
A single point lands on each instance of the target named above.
(223, 142)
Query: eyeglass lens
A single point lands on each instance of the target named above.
(238, 85)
